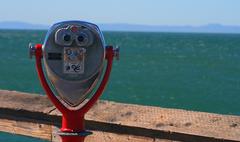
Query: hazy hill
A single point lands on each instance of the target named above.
(210, 28)
(21, 25)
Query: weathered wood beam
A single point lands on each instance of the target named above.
(33, 115)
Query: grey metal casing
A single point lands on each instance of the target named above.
(73, 87)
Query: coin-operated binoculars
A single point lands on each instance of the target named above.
(76, 60)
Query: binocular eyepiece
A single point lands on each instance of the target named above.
(80, 35)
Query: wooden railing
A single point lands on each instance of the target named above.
(33, 115)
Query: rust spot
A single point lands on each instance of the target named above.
(40, 125)
(188, 124)
(159, 125)
(233, 125)
(113, 119)
(215, 119)
(171, 124)
(129, 113)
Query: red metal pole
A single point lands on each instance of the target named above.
(73, 124)
(73, 129)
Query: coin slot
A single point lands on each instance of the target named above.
(54, 56)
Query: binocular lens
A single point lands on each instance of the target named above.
(80, 38)
(67, 37)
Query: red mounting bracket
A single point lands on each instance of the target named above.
(73, 129)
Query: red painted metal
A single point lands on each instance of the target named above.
(73, 120)
(51, 96)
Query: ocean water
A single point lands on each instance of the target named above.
(199, 72)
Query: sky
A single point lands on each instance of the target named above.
(143, 12)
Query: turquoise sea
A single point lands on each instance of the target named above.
(192, 71)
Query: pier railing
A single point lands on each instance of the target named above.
(33, 115)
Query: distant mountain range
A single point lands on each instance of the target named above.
(210, 28)
(21, 25)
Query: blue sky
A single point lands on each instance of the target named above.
(147, 12)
